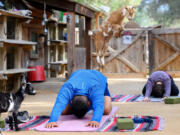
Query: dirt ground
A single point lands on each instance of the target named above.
(42, 103)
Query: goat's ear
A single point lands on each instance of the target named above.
(126, 7)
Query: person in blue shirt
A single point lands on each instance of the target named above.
(83, 91)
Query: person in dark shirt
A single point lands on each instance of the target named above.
(85, 90)
(160, 84)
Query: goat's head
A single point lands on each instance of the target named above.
(129, 11)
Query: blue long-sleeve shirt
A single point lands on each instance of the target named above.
(158, 76)
(90, 83)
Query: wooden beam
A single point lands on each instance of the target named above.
(166, 31)
(69, 6)
(18, 57)
(121, 51)
(125, 75)
(162, 65)
(169, 44)
(57, 4)
(3, 58)
(17, 42)
(151, 45)
(15, 71)
(71, 43)
(82, 10)
(13, 14)
(88, 42)
(18, 30)
(3, 27)
(128, 63)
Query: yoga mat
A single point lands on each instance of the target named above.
(124, 98)
(134, 98)
(149, 123)
(71, 123)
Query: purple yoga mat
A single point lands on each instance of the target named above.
(68, 123)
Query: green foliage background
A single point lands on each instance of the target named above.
(148, 12)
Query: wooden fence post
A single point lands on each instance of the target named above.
(71, 43)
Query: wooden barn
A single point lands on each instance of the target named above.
(55, 36)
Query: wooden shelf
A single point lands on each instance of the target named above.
(58, 62)
(62, 23)
(15, 71)
(13, 14)
(15, 42)
(55, 21)
(58, 42)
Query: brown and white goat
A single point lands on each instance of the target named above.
(112, 27)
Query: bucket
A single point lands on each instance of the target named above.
(37, 75)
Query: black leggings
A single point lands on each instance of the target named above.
(174, 89)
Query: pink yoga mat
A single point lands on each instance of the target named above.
(68, 123)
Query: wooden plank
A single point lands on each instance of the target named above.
(15, 71)
(81, 32)
(88, 42)
(58, 62)
(167, 31)
(18, 30)
(115, 54)
(56, 4)
(18, 57)
(13, 14)
(69, 6)
(56, 33)
(17, 83)
(58, 42)
(85, 11)
(56, 53)
(81, 57)
(128, 63)
(124, 75)
(71, 67)
(3, 58)
(3, 27)
(151, 48)
(162, 65)
(169, 44)
(17, 42)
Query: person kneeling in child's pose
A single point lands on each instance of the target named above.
(85, 90)
(160, 85)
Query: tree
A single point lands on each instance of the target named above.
(165, 12)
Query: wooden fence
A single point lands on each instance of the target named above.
(142, 52)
